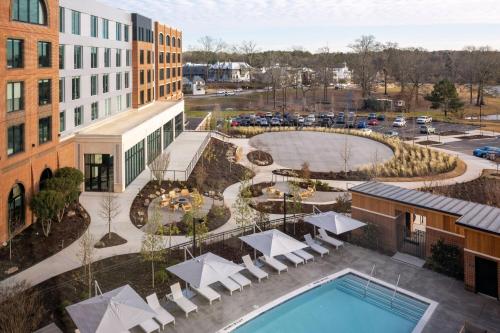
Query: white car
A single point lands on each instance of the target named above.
(230, 93)
(239, 90)
(221, 92)
(399, 122)
(366, 131)
(300, 120)
(424, 120)
(311, 118)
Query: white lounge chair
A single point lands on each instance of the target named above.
(230, 285)
(163, 317)
(178, 298)
(208, 293)
(304, 255)
(294, 258)
(277, 265)
(150, 326)
(330, 240)
(254, 270)
(315, 246)
(241, 280)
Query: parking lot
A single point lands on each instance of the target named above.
(467, 146)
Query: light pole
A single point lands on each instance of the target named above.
(285, 195)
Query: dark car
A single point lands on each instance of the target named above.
(372, 116)
(245, 122)
(326, 122)
(362, 124)
(340, 120)
(381, 117)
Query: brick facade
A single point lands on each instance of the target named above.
(470, 271)
(433, 235)
(387, 229)
(170, 86)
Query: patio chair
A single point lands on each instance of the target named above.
(164, 200)
(187, 207)
(315, 246)
(172, 194)
(178, 298)
(163, 317)
(254, 270)
(230, 285)
(241, 280)
(296, 260)
(174, 207)
(304, 255)
(149, 326)
(330, 240)
(277, 265)
(184, 192)
(208, 293)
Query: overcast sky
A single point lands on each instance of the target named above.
(311, 24)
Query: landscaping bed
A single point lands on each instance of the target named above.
(448, 133)
(260, 158)
(217, 216)
(31, 246)
(110, 240)
(428, 142)
(256, 190)
(276, 207)
(357, 175)
(472, 137)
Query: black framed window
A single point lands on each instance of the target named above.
(149, 57)
(168, 57)
(168, 73)
(44, 51)
(94, 85)
(167, 39)
(98, 172)
(127, 80)
(29, 11)
(118, 58)
(44, 92)
(107, 57)
(62, 121)
(75, 22)
(160, 38)
(94, 111)
(134, 162)
(75, 88)
(128, 58)
(154, 145)
(15, 53)
(126, 32)
(62, 56)
(62, 90)
(141, 57)
(62, 19)
(78, 116)
(141, 77)
(105, 28)
(168, 88)
(162, 91)
(94, 56)
(118, 31)
(118, 81)
(178, 57)
(78, 57)
(162, 74)
(179, 124)
(15, 139)
(44, 130)
(105, 83)
(149, 76)
(173, 41)
(17, 207)
(15, 96)
(168, 134)
(94, 26)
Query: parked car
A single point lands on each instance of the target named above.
(311, 118)
(264, 122)
(362, 124)
(235, 122)
(326, 122)
(300, 121)
(366, 131)
(238, 90)
(381, 117)
(372, 116)
(424, 120)
(245, 122)
(391, 134)
(427, 129)
(373, 122)
(275, 122)
(351, 122)
(340, 120)
(230, 93)
(485, 151)
(399, 122)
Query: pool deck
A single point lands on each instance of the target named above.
(455, 303)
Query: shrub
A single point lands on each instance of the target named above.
(73, 175)
(47, 205)
(446, 259)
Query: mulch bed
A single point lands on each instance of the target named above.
(428, 142)
(31, 246)
(260, 158)
(217, 216)
(319, 186)
(107, 241)
(350, 175)
(447, 133)
(256, 190)
(276, 207)
(472, 137)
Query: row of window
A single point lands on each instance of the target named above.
(94, 57)
(162, 59)
(165, 89)
(98, 27)
(16, 135)
(167, 40)
(15, 53)
(175, 73)
(78, 112)
(16, 94)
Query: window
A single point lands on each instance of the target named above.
(168, 88)
(127, 80)
(94, 56)
(94, 26)
(62, 121)
(154, 145)
(168, 57)
(178, 57)
(29, 11)
(168, 73)
(149, 94)
(160, 38)
(105, 29)
(134, 162)
(174, 73)
(75, 88)
(75, 22)
(173, 58)
(44, 54)
(15, 96)
(107, 106)
(118, 81)
(168, 40)
(179, 124)
(15, 53)
(118, 103)
(62, 56)
(162, 74)
(168, 134)
(162, 91)
(179, 85)
(78, 57)
(17, 206)
(161, 58)
(141, 97)
(118, 31)
(149, 57)
(15, 138)
(105, 83)
(107, 57)
(129, 100)
(94, 113)
(93, 85)
(44, 130)
(141, 77)
(118, 58)
(179, 43)
(62, 92)
(141, 57)
(78, 116)
(178, 71)
(44, 92)
(149, 76)
(128, 58)
(62, 20)
(126, 32)
(173, 41)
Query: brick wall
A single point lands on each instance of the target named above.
(432, 236)
(386, 229)
(470, 271)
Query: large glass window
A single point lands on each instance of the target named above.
(15, 96)
(134, 162)
(98, 172)
(94, 56)
(75, 88)
(107, 57)
(105, 29)
(154, 145)
(15, 139)
(161, 58)
(75, 22)
(94, 111)
(17, 208)
(44, 130)
(107, 106)
(129, 100)
(15, 53)
(118, 81)
(127, 80)
(29, 11)
(78, 57)
(141, 77)
(44, 54)
(94, 26)
(160, 38)
(126, 32)
(118, 31)
(62, 90)
(179, 123)
(105, 83)
(62, 56)
(168, 134)
(128, 58)
(162, 73)
(62, 121)
(167, 39)
(173, 41)
(118, 58)
(141, 57)
(94, 85)
(78, 116)
(62, 20)
(44, 92)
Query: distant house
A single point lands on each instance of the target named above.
(342, 73)
(196, 86)
(190, 70)
(229, 72)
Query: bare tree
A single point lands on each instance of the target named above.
(86, 256)
(21, 308)
(159, 166)
(345, 154)
(364, 68)
(110, 208)
(153, 244)
(487, 69)
(248, 48)
(418, 69)
(467, 68)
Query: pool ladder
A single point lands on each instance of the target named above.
(369, 280)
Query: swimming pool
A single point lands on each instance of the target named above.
(340, 303)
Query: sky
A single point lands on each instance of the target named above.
(312, 24)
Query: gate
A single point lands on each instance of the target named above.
(411, 242)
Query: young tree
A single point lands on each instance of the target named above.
(444, 95)
(295, 203)
(201, 230)
(200, 175)
(47, 205)
(86, 256)
(153, 245)
(345, 154)
(244, 214)
(21, 308)
(305, 172)
(110, 208)
(159, 166)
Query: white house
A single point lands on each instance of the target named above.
(342, 73)
(229, 72)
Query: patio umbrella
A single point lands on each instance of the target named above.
(273, 242)
(334, 222)
(205, 269)
(117, 310)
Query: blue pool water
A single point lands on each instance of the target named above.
(341, 306)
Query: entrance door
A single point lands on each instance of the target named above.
(410, 240)
(98, 173)
(486, 277)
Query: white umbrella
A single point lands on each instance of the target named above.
(273, 242)
(205, 269)
(117, 310)
(334, 222)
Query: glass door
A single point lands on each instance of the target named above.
(98, 173)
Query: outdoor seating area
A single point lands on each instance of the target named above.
(177, 199)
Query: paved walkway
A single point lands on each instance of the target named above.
(68, 258)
